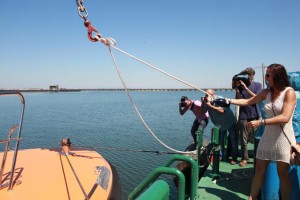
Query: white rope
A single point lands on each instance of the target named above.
(153, 67)
(109, 42)
(112, 44)
(139, 114)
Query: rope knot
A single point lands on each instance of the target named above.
(107, 41)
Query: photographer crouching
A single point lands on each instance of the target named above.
(201, 119)
(245, 88)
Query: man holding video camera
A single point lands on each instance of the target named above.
(245, 88)
(201, 119)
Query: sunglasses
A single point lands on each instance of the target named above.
(268, 75)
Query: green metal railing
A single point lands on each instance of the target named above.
(154, 175)
(166, 169)
(144, 190)
(194, 171)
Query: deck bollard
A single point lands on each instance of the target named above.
(215, 142)
(199, 135)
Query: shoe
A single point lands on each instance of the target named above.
(243, 163)
(233, 162)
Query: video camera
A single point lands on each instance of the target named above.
(240, 77)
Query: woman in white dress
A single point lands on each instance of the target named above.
(278, 136)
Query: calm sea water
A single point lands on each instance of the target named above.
(107, 122)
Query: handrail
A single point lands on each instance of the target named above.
(5, 151)
(166, 169)
(18, 139)
(154, 175)
(194, 171)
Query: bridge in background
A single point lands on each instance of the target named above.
(113, 90)
(157, 89)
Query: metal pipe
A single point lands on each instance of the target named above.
(154, 175)
(5, 154)
(194, 171)
(18, 137)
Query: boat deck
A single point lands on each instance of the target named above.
(234, 183)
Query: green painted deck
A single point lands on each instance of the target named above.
(234, 183)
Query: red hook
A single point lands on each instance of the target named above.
(91, 29)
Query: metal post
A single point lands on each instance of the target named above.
(263, 75)
(215, 142)
(199, 135)
(17, 143)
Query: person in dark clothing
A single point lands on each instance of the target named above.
(247, 113)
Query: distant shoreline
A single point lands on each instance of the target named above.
(111, 90)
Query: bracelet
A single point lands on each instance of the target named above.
(263, 121)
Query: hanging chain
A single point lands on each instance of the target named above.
(83, 13)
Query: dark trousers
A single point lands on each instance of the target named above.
(246, 135)
(232, 144)
(198, 125)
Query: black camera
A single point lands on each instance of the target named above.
(182, 101)
(222, 102)
(240, 77)
(204, 98)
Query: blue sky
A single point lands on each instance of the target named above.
(201, 42)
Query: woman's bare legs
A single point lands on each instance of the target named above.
(284, 179)
(259, 177)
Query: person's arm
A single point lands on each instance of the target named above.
(253, 100)
(182, 110)
(289, 104)
(216, 108)
(244, 86)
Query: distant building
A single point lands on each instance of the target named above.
(54, 88)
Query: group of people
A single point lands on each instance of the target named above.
(278, 137)
(225, 118)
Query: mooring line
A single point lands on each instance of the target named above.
(130, 150)
(66, 182)
(78, 181)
